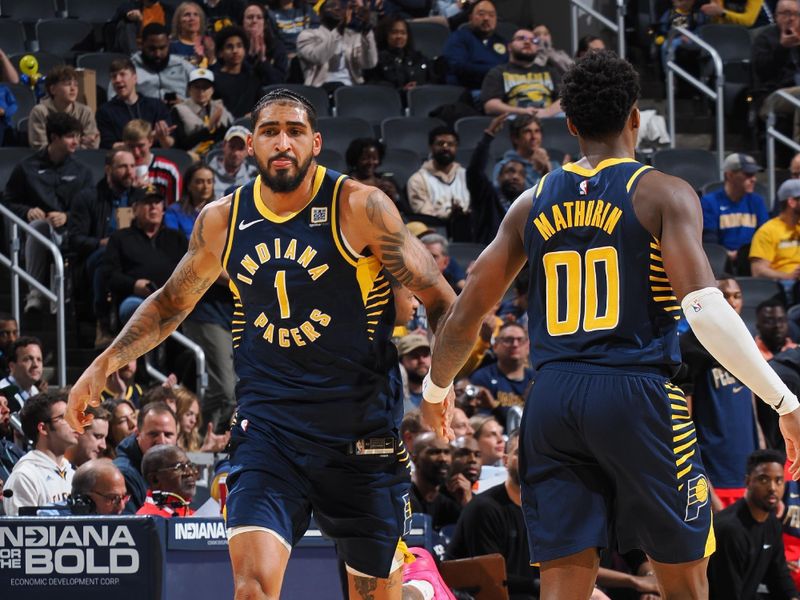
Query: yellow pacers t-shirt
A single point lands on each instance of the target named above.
(778, 243)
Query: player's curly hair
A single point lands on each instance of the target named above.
(598, 92)
(284, 96)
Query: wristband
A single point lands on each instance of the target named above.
(433, 393)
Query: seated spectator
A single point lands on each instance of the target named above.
(494, 523)
(414, 351)
(405, 307)
(138, 137)
(732, 214)
(546, 53)
(61, 84)
(189, 39)
(472, 51)
(773, 329)
(749, 542)
(589, 43)
(460, 423)
(121, 425)
(25, 369)
(222, 13)
(200, 121)
(8, 107)
(432, 457)
(526, 147)
(94, 215)
(437, 245)
(188, 414)
(399, 64)
(237, 83)
(489, 434)
(198, 190)
(160, 74)
(92, 442)
(9, 332)
(155, 425)
(265, 50)
(340, 50)
(43, 476)
(683, 13)
(121, 385)
(131, 18)
(364, 157)
(99, 486)
(439, 188)
(522, 86)
(41, 190)
(232, 170)
(410, 428)
(289, 18)
(8, 73)
(10, 452)
(140, 258)
(774, 249)
(465, 470)
(731, 12)
(126, 104)
(171, 482)
(794, 166)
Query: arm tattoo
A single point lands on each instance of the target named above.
(197, 240)
(365, 586)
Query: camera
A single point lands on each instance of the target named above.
(471, 391)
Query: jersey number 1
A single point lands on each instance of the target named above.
(581, 278)
(283, 297)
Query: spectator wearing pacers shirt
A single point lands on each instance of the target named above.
(138, 137)
(732, 213)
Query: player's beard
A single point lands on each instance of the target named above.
(284, 182)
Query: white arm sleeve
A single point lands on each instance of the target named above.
(723, 333)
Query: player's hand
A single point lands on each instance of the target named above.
(439, 416)
(86, 392)
(790, 428)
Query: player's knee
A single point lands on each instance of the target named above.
(251, 589)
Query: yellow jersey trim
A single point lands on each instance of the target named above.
(636, 174)
(584, 172)
(262, 208)
(231, 228)
(541, 183)
(337, 236)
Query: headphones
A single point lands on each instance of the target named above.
(169, 499)
(81, 504)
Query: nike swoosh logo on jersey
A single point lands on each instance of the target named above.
(791, 495)
(778, 405)
(767, 546)
(243, 225)
(723, 208)
(738, 389)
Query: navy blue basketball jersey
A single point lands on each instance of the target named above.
(599, 293)
(312, 320)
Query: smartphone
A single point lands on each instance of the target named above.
(170, 97)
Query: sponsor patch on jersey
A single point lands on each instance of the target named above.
(319, 214)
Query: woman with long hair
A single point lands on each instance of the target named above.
(188, 35)
(265, 52)
(121, 425)
(198, 190)
(188, 414)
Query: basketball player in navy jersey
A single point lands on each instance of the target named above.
(305, 250)
(614, 252)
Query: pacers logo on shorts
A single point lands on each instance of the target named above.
(697, 496)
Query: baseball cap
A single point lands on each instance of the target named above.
(198, 74)
(789, 189)
(409, 343)
(237, 131)
(418, 228)
(741, 162)
(151, 192)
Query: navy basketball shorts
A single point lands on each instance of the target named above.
(362, 502)
(604, 448)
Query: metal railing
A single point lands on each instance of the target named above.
(772, 135)
(578, 6)
(12, 262)
(716, 95)
(199, 364)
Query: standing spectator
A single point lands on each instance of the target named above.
(232, 169)
(238, 84)
(131, 18)
(265, 50)
(522, 86)
(140, 258)
(126, 104)
(289, 18)
(61, 84)
(546, 53)
(100, 482)
(198, 190)
(138, 136)
(155, 425)
(439, 187)
(749, 542)
(472, 51)
(41, 190)
(92, 442)
(432, 457)
(340, 50)
(43, 476)
(399, 64)
(95, 214)
(189, 39)
(171, 482)
(24, 372)
(774, 249)
(200, 121)
(773, 329)
(732, 214)
(414, 351)
(526, 148)
(160, 74)
(122, 424)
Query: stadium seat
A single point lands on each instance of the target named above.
(506, 29)
(464, 252)
(94, 160)
(409, 133)
(22, 132)
(696, 166)
(179, 157)
(60, 36)
(100, 62)
(556, 135)
(9, 157)
(429, 38)
(754, 291)
(338, 132)
(733, 43)
(401, 163)
(316, 95)
(717, 257)
(46, 61)
(12, 37)
(28, 11)
(464, 155)
(470, 131)
(332, 159)
(25, 101)
(373, 103)
(245, 122)
(425, 98)
(93, 11)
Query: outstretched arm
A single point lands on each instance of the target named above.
(160, 314)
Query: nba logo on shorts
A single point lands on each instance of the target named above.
(583, 187)
(697, 496)
(319, 215)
